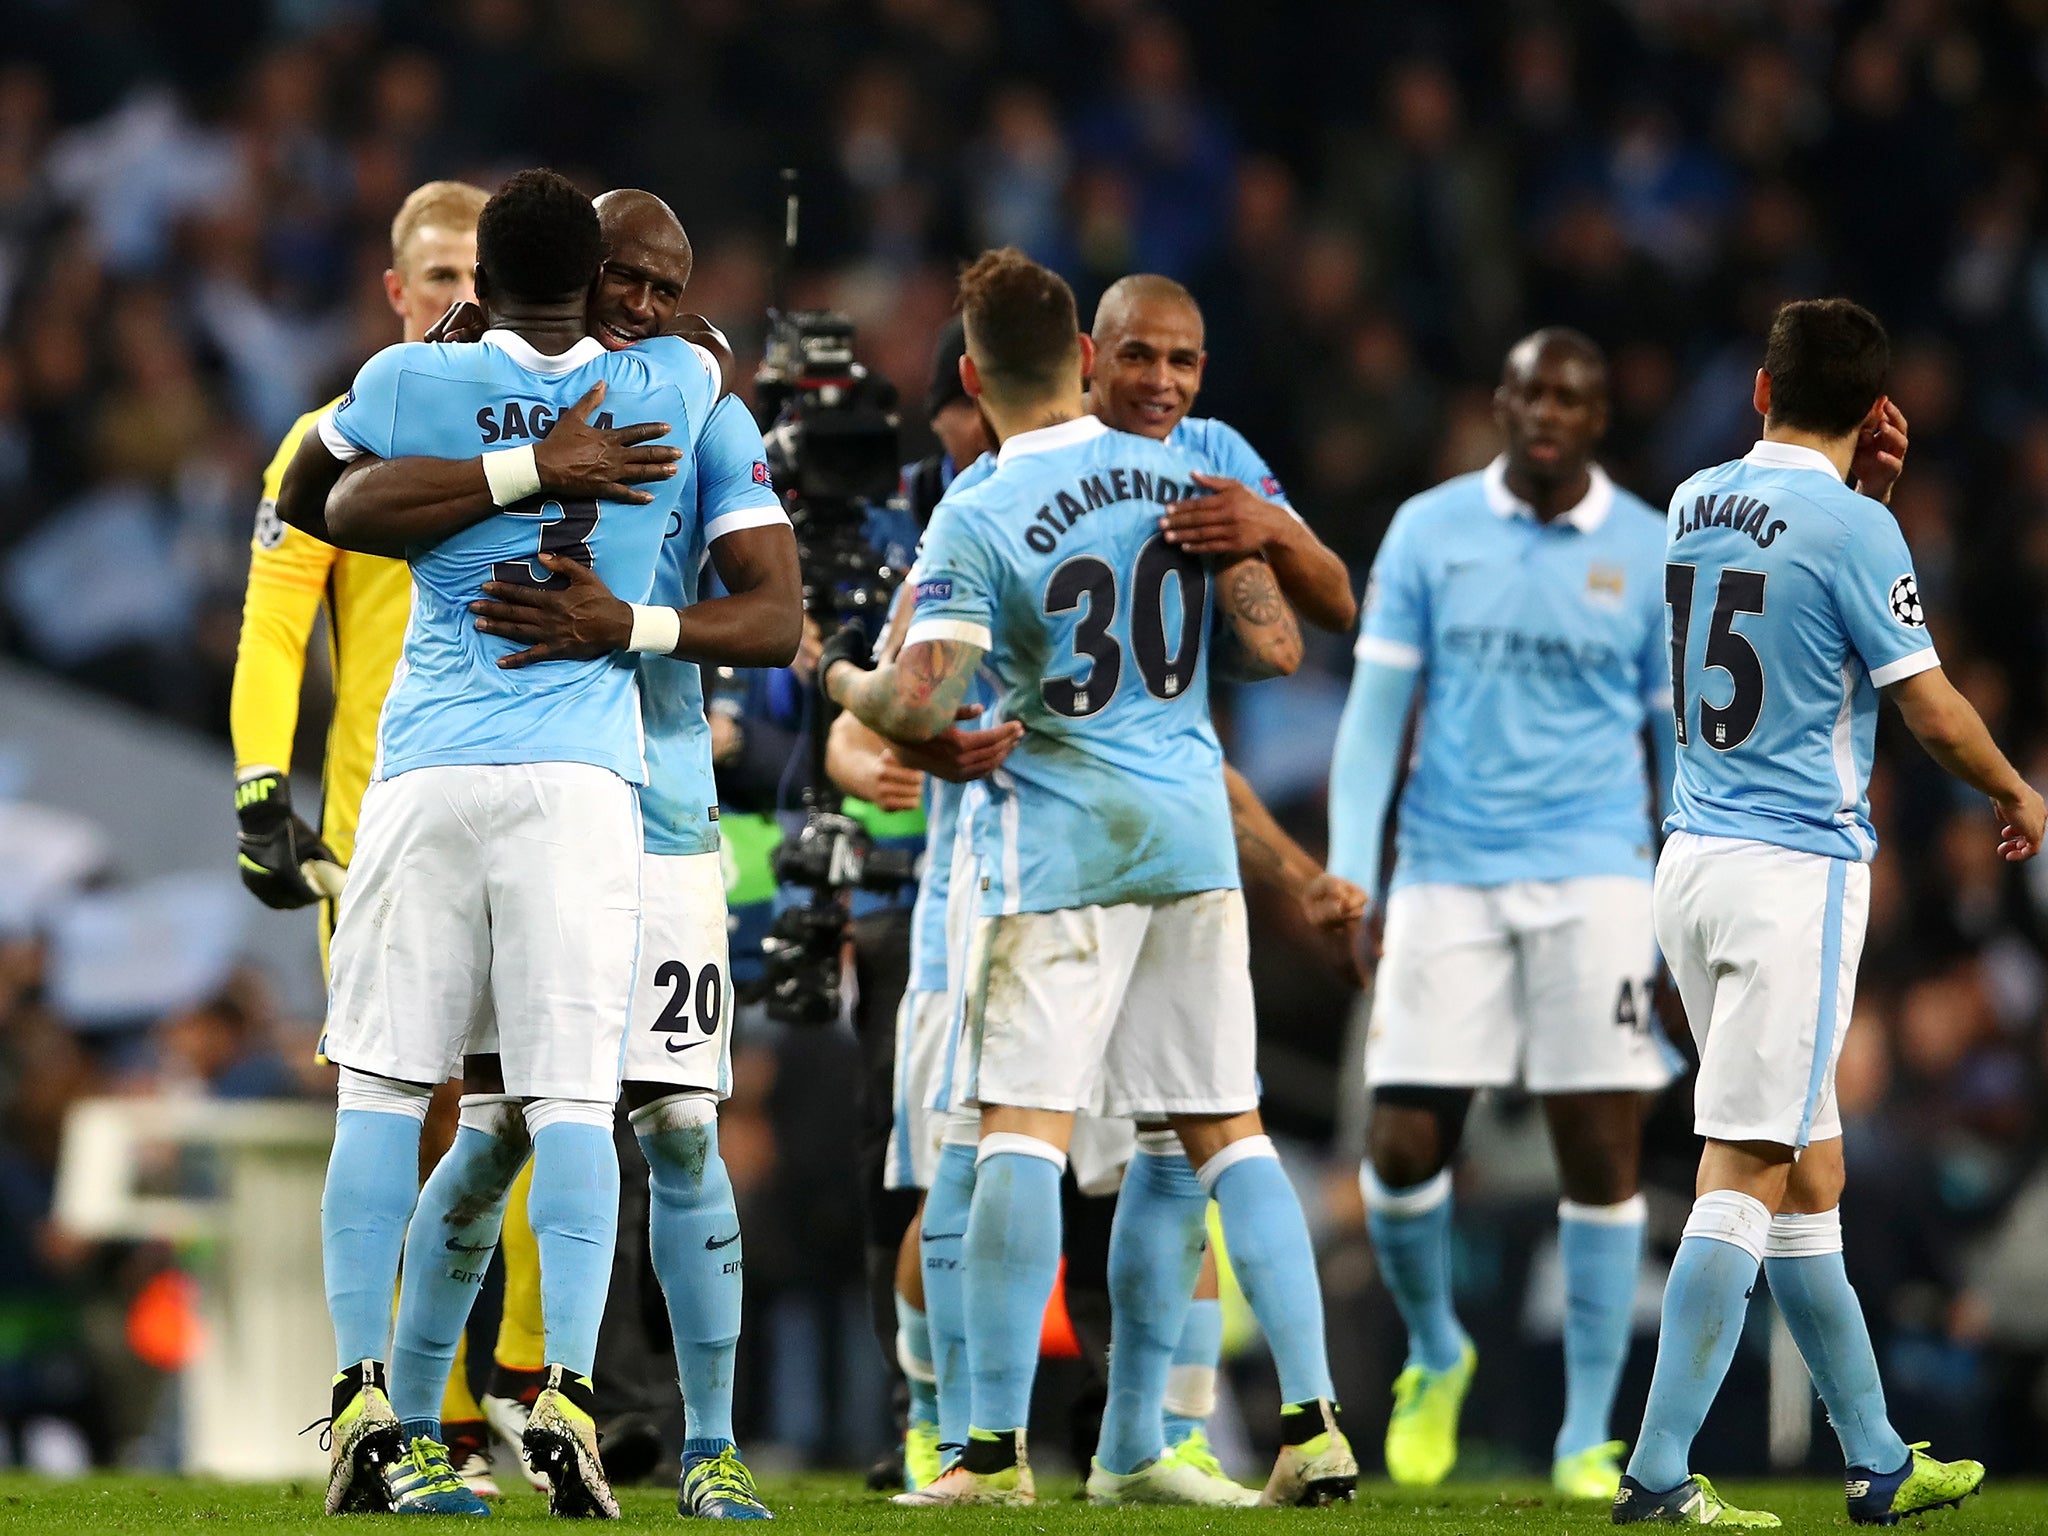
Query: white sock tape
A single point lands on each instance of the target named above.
(914, 1368)
(963, 1129)
(996, 1143)
(675, 1112)
(1809, 1236)
(655, 628)
(1414, 1200)
(512, 474)
(542, 1113)
(1240, 1151)
(495, 1114)
(1159, 1143)
(381, 1095)
(1729, 1216)
(1191, 1391)
(1632, 1212)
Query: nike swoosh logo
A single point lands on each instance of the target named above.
(713, 1244)
(676, 1050)
(938, 1237)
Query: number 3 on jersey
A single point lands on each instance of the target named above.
(1089, 580)
(1725, 726)
(566, 532)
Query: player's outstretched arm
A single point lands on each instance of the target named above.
(1955, 737)
(911, 699)
(1258, 618)
(1233, 521)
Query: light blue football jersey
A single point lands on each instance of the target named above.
(1098, 634)
(726, 488)
(1220, 449)
(942, 803)
(450, 703)
(1542, 653)
(1792, 601)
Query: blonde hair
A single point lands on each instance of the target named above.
(440, 204)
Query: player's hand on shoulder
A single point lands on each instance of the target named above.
(463, 322)
(2021, 817)
(1880, 453)
(602, 463)
(1230, 520)
(282, 860)
(960, 756)
(578, 621)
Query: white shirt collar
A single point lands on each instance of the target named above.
(523, 352)
(1063, 434)
(1588, 515)
(1769, 455)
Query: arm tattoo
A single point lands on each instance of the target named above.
(1266, 631)
(913, 697)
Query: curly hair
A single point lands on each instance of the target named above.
(538, 239)
(1020, 321)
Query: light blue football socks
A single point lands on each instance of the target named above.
(372, 1181)
(1705, 1302)
(1013, 1259)
(1803, 1265)
(1411, 1239)
(1274, 1262)
(1155, 1254)
(693, 1228)
(448, 1248)
(1601, 1247)
(573, 1206)
(942, 1243)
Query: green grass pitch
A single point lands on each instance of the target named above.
(835, 1505)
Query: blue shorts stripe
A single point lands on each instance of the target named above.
(906, 1040)
(1830, 1002)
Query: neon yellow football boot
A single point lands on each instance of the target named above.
(1422, 1436)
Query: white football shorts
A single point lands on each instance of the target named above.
(681, 1031)
(924, 1029)
(1138, 1009)
(490, 907)
(1763, 942)
(1542, 982)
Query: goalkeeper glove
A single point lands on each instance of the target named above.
(283, 862)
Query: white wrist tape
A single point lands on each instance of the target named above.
(512, 473)
(655, 628)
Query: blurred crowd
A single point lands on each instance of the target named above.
(1371, 202)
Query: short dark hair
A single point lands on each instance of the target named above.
(1020, 323)
(1827, 359)
(538, 238)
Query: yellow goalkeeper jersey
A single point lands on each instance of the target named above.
(368, 600)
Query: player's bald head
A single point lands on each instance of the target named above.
(1554, 343)
(629, 216)
(1129, 302)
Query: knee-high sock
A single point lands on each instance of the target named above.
(574, 1208)
(1602, 1249)
(693, 1234)
(1274, 1261)
(447, 1249)
(522, 1338)
(1155, 1253)
(1803, 1263)
(1705, 1301)
(372, 1182)
(914, 1355)
(1411, 1238)
(1191, 1384)
(942, 1242)
(1013, 1258)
